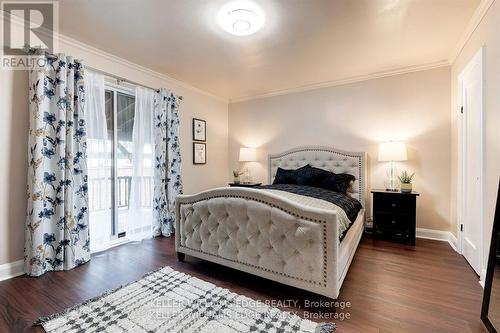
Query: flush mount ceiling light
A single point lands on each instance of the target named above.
(241, 18)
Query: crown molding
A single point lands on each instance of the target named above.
(60, 38)
(354, 79)
(76, 43)
(477, 17)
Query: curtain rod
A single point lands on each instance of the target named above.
(35, 50)
(119, 78)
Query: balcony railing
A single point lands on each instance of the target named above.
(100, 197)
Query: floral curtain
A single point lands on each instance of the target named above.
(167, 173)
(57, 235)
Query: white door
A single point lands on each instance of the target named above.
(471, 162)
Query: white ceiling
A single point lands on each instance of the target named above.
(304, 42)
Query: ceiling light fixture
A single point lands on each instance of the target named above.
(241, 18)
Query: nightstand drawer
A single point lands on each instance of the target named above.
(393, 204)
(395, 235)
(387, 221)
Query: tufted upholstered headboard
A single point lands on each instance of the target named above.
(330, 159)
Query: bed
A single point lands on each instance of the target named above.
(287, 238)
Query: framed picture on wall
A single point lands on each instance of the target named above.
(199, 153)
(199, 130)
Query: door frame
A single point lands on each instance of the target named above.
(477, 59)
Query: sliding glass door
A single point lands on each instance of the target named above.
(110, 166)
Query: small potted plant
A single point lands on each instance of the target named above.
(236, 175)
(405, 178)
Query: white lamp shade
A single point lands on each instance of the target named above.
(248, 154)
(392, 151)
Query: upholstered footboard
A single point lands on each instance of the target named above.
(263, 234)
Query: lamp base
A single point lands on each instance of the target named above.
(391, 181)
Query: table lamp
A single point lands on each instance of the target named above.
(247, 154)
(392, 151)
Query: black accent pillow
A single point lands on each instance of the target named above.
(305, 175)
(315, 177)
(322, 178)
(331, 181)
(298, 176)
(284, 176)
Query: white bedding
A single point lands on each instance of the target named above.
(343, 220)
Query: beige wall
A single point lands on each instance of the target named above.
(411, 107)
(14, 133)
(487, 35)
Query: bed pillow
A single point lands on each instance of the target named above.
(322, 178)
(331, 181)
(284, 176)
(300, 176)
(305, 175)
(315, 177)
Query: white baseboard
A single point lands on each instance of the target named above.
(453, 241)
(11, 269)
(16, 268)
(440, 235)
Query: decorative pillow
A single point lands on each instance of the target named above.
(315, 177)
(284, 176)
(322, 178)
(330, 181)
(298, 176)
(305, 175)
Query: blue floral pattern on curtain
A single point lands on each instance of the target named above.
(57, 235)
(167, 174)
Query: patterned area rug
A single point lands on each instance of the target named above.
(171, 301)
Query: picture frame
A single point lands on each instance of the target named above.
(199, 153)
(199, 130)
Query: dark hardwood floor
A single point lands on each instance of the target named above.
(391, 287)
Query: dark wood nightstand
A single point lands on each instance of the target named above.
(395, 215)
(244, 184)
